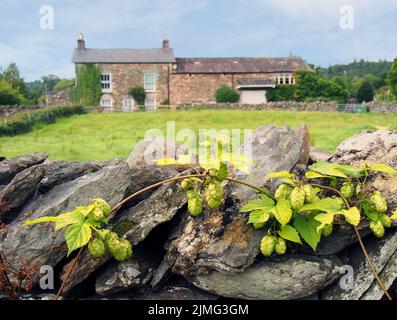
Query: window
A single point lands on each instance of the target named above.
(128, 104)
(284, 79)
(106, 82)
(150, 103)
(149, 81)
(107, 104)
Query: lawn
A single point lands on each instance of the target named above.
(101, 136)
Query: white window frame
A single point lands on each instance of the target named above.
(106, 84)
(150, 106)
(107, 106)
(284, 78)
(150, 81)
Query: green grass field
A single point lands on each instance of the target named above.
(101, 136)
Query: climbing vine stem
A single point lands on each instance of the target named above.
(360, 241)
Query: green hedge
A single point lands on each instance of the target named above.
(28, 120)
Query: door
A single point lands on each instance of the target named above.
(252, 96)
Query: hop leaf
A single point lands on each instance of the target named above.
(77, 235)
(259, 225)
(352, 216)
(289, 233)
(268, 244)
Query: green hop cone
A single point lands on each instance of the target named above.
(310, 194)
(377, 228)
(187, 184)
(103, 206)
(97, 215)
(96, 247)
(282, 192)
(268, 244)
(195, 203)
(259, 225)
(379, 202)
(124, 250)
(214, 194)
(280, 246)
(298, 197)
(347, 190)
(385, 220)
(327, 230)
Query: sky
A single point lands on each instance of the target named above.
(310, 29)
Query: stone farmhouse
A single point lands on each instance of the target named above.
(182, 81)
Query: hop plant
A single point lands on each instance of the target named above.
(377, 228)
(310, 194)
(379, 202)
(385, 220)
(347, 190)
(213, 194)
(282, 192)
(97, 247)
(327, 230)
(268, 244)
(280, 246)
(340, 202)
(195, 203)
(187, 184)
(221, 174)
(298, 197)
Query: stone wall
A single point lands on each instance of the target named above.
(58, 98)
(6, 111)
(293, 106)
(382, 107)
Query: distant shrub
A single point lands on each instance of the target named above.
(139, 95)
(26, 122)
(165, 102)
(365, 92)
(281, 93)
(225, 94)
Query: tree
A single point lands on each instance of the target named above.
(63, 84)
(49, 82)
(365, 92)
(11, 74)
(9, 95)
(88, 89)
(391, 79)
(226, 94)
(139, 95)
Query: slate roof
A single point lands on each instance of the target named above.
(254, 82)
(160, 55)
(239, 65)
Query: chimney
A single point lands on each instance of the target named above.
(81, 42)
(166, 43)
